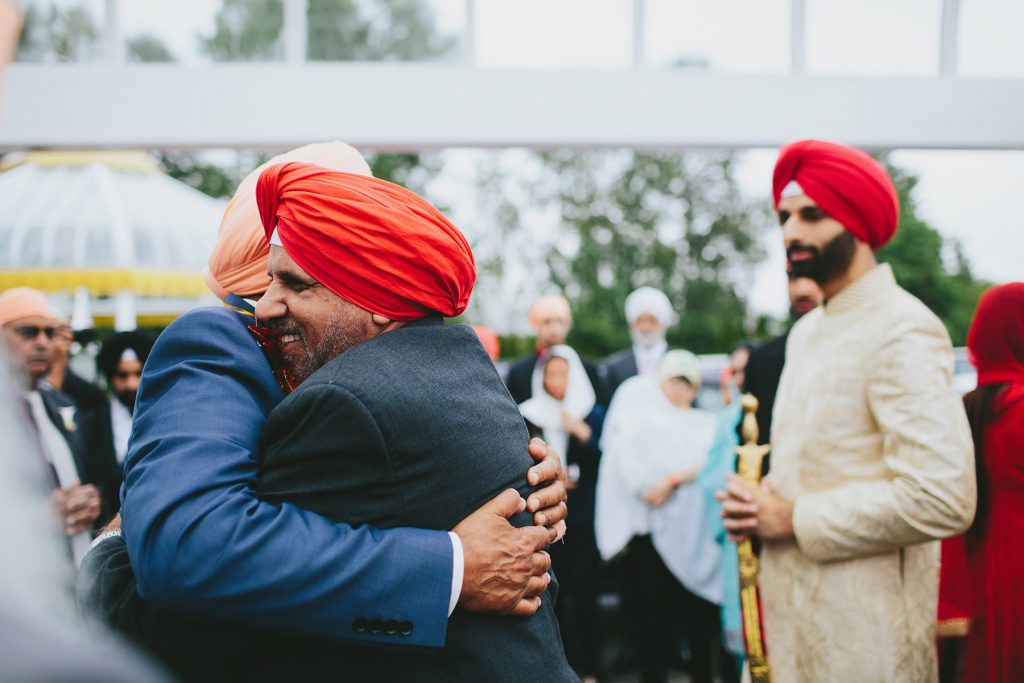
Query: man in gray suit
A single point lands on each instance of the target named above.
(398, 419)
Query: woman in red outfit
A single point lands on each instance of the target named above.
(995, 544)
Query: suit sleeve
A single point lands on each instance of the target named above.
(325, 446)
(201, 542)
(927, 448)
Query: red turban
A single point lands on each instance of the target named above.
(373, 243)
(996, 337)
(846, 183)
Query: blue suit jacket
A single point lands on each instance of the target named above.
(200, 540)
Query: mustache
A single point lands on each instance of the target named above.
(797, 247)
(279, 329)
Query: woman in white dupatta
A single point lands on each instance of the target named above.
(563, 411)
(652, 513)
(562, 398)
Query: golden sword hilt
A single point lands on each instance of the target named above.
(751, 456)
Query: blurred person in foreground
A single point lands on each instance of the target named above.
(649, 313)
(41, 638)
(563, 410)
(551, 319)
(764, 366)
(871, 459)
(995, 543)
(397, 419)
(651, 512)
(29, 326)
(202, 544)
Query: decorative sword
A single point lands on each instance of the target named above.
(751, 455)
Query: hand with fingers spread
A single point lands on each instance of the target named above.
(750, 510)
(506, 569)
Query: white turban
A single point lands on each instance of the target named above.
(649, 300)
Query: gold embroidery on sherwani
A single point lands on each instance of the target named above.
(872, 445)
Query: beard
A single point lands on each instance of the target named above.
(828, 263)
(338, 336)
(127, 399)
(646, 340)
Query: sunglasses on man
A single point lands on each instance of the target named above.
(30, 332)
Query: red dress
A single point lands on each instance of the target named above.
(954, 590)
(995, 551)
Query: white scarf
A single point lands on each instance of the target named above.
(646, 438)
(543, 410)
(58, 454)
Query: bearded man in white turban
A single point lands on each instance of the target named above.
(649, 313)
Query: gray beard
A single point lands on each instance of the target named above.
(336, 339)
(646, 340)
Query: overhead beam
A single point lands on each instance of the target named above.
(949, 38)
(421, 106)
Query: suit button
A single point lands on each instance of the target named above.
(405, 628)
(359, 625)
(391, 627)
(376, 625)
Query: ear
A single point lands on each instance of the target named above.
(381, 321)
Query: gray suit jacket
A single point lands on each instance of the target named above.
(413, 428)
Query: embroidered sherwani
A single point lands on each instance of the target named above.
(872, 444)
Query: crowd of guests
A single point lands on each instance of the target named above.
(322, 470)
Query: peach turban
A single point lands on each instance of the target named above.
(549, 306)
(24, 302)
(238, 264)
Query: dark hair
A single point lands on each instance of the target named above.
(115, 346)
(978, 404)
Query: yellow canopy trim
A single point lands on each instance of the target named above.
(108, 282)
(137, 161)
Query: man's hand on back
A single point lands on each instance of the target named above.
(506, 568)
(548, 504)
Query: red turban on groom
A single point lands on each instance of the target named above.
(846, 183)
(373, 243)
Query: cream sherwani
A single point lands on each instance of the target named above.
(873, 446)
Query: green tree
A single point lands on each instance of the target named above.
(246, 30)
(148, 48)
(918, 257)
(672, 221)
(57, 34)
(397, 30)
(338, 30)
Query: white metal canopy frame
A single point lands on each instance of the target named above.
(119, 105)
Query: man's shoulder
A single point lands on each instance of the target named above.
(410, 355)
(208, 325)
(903, 307)
(619, 358)
(773, 349)
(525, 364)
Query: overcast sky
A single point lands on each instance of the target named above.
(976, 197)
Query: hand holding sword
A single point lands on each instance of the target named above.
(751, 510)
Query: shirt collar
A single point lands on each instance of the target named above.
(876, 282)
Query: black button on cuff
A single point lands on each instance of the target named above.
(391, 627)
(376, 625)
(359, 625)
(405, 628)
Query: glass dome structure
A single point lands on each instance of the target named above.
(109, 222)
